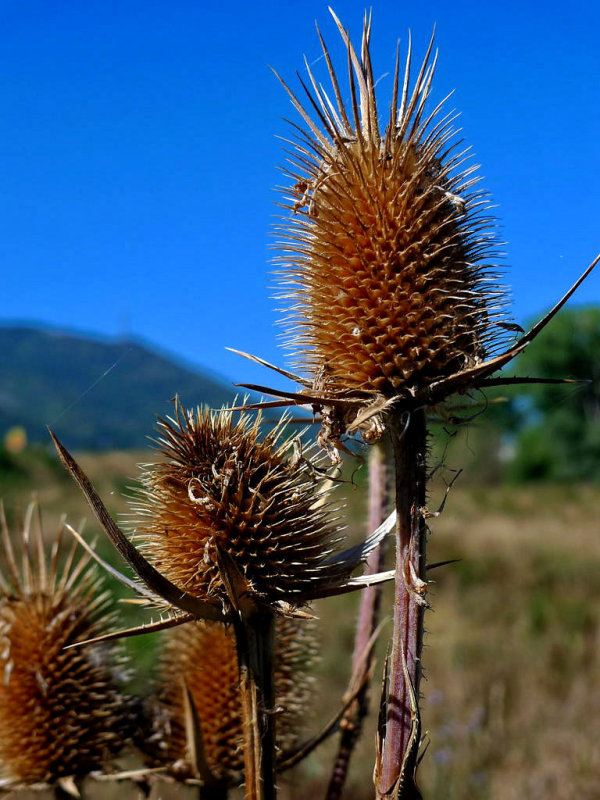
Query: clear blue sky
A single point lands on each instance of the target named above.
(139, 154)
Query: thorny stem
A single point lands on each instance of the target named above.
(368, 615)
(255, 637)
(397, 760)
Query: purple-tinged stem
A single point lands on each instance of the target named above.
(368, 615)
(397, 760)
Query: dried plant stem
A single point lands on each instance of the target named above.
(395, 773)
(255, 640)
(368, 615)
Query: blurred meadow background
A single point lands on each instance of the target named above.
(138, 161)
(512, 655)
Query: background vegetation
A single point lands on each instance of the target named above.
(510, 696)
(537, 432)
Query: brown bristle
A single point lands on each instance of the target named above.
(60, 711)
(222, 486)
(202, 657)
(385, 250)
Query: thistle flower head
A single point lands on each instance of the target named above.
(231, 523)
(222, 488)
(203, 657)
(386, 250)
(387, 255)
(61, 713)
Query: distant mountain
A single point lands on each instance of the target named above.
(95, 394)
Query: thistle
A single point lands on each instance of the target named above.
(387, 255)
(387, 244)
(234, 529)
(388, 262)
(203, 657)
(62, 715)
(222, 489)
(228, 516)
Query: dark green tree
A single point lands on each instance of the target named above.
(559, 425)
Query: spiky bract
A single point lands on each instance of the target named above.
(61, 713)
(203, 658)
(222, 488)
(387, 246)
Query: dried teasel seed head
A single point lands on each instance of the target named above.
(221, 487)
(202, 657)
(61, 713)
(386, 252)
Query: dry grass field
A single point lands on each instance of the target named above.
(512, 657)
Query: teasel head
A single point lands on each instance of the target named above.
(197, 718)
(231, 527)
(62, 714)
(229, 522)
(387, 252)
(224, 494)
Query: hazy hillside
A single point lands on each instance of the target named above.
(125, 385)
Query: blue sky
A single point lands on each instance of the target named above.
(139, 154)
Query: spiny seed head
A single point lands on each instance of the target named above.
(61, 713)
(386, 250)
(202, 657)
(222, 488)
